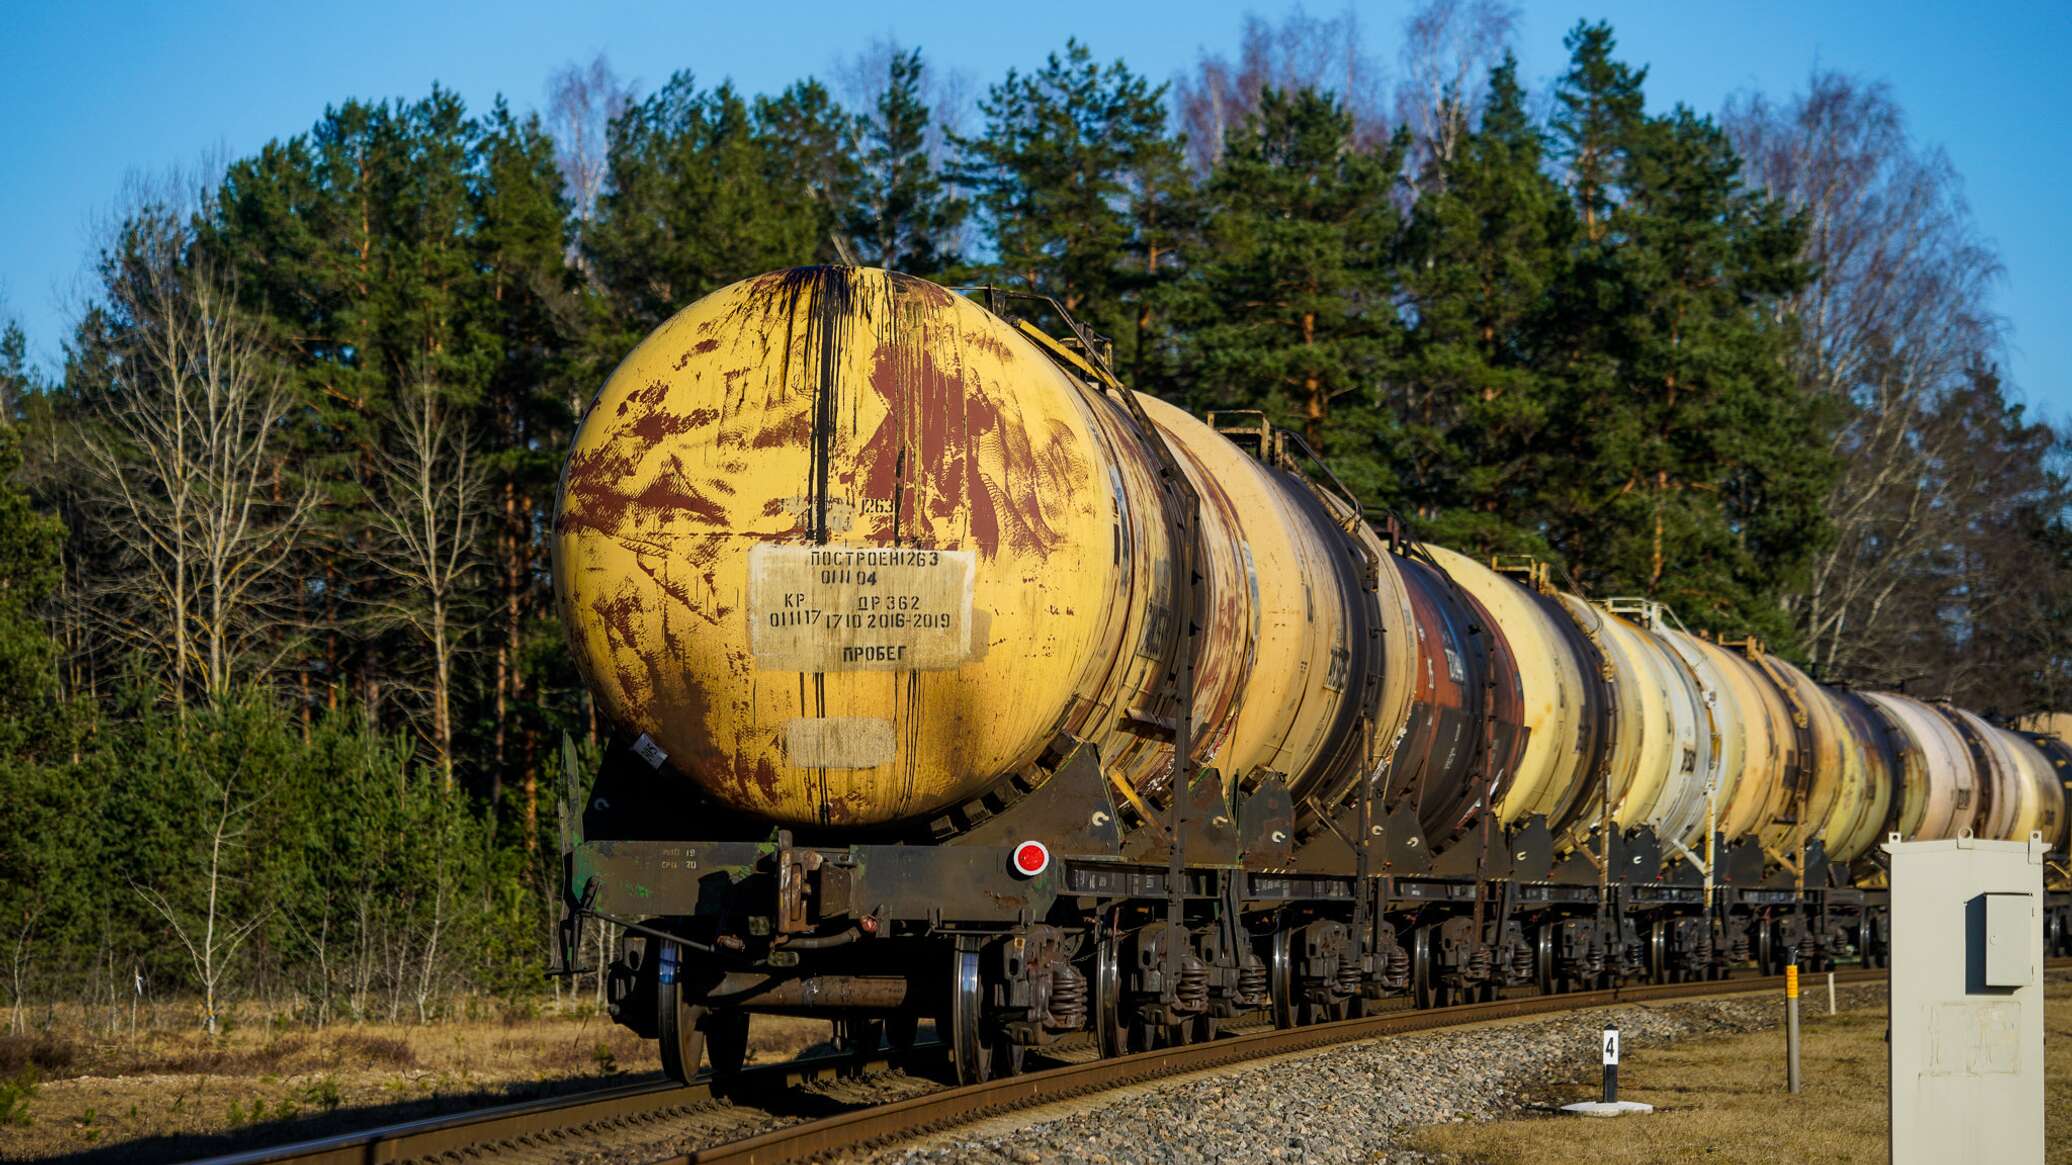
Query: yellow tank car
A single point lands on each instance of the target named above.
(1551, 678)
(1938, 797)
(800, 518)
(2041, 801)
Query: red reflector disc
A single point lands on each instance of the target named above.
(1031, 858)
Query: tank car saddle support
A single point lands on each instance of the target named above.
(1531, 849)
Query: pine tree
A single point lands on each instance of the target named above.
(17, 375)
(696, 200)
(402, 252)
(355, 243)
(1052, 178)
(1598, 105)
(30, 545)
(1693, 468)
(905, 216)
(531, 397)
(809, 146)
(47, 855)
(1481, 255)
(1166, 219)
(1288, 303)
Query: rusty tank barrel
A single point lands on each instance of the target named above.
(843, 548)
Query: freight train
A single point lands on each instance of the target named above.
(953, 680)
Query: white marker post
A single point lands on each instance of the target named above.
(1610, 1105)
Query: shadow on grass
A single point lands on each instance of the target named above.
(335, 1122)
(803, 1104)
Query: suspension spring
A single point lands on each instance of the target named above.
(1193, 990)
(1067, 997)
(1251, 980)
(1349, 977)
(1397, 975)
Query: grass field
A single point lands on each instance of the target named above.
(1723, 1101)
(168, 1093)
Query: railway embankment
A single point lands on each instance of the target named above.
(1385, 1100)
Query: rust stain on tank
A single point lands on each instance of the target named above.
(991, 345)
(790, 431)
(677, 589)
(649, 396)
(593, 499)
(621, 616)
(909, 287)
(931, 449)
(765, 775)
(658, 425)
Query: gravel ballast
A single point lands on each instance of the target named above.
(1354, 1103)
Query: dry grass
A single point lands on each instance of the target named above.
(169, 1094)
(1723, 1101)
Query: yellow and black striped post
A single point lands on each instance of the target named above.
(1791, 1026)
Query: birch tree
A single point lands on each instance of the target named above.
(429, 505)
(1893, 326)
(1325, 54)
(1449, 48)
(184, 450)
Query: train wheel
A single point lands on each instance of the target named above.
(971, 1045)
(1425, 988)
(1281, 972)
(1765, 949)
(681, 1025)
(1110, 1035)
(1543, 957)
(1658, 951)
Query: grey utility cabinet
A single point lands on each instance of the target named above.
(1967, 1001)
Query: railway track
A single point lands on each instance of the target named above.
(536, 1128)
(644, 1113)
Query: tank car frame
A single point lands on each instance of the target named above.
(877, 935)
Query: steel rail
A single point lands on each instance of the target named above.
(481, 1132)
(938, 1111)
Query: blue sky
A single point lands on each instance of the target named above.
(90, 92)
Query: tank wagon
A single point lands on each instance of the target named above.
(952, 679)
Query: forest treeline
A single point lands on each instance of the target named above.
(285, 689)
